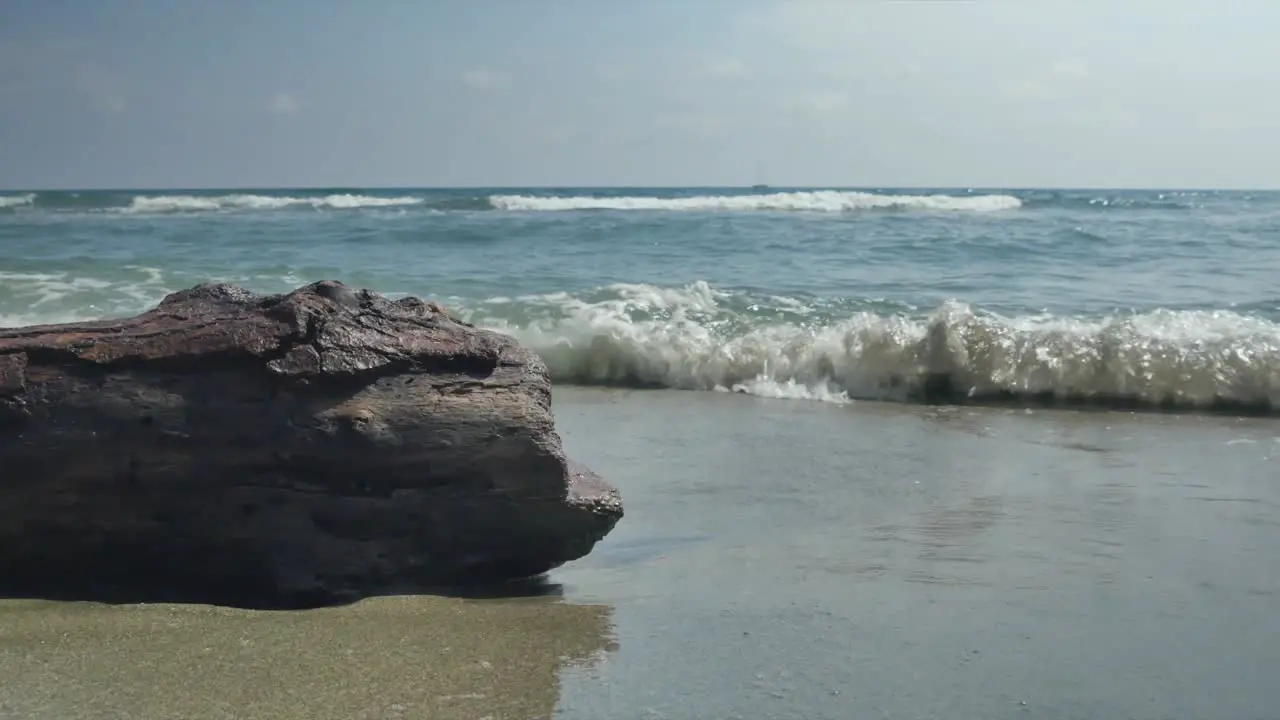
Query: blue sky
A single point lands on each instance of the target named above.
(187, 93)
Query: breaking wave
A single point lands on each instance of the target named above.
(837, 350)
(118, 201)
(195, 203)
(699, 338)
(673, 199)
(813, 201)
(8, 201)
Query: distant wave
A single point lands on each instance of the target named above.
(698, 338)
(190, 203)
(1140, 200)
(8, 201)
(564, 199)
(133, 203)
(813, 201)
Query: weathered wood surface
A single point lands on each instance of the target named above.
(324, 444)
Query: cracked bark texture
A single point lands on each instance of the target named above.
(295, 449)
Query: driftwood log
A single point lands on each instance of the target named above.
(284, 450)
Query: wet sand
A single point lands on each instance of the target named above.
(382, 658)
(778, 559)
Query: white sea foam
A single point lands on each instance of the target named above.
(813, 201)
(692, 338)
(7, 201)
(198, 203)
(702, 338)
(58, 297)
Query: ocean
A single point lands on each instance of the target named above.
(1162, 298)
(927, 453)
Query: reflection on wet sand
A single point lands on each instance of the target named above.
(394, 657)
(949, 535)
(945, 536)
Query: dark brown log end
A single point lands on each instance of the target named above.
(320, 445)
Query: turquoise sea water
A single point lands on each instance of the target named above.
(1115, 296)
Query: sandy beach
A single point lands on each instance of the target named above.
(779, 559)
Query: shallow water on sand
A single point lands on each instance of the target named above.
(815, 562)
(383, 658)
(778, 559)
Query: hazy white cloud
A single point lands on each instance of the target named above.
(563, 134)
(840, 91)
(1028, 89)
(725, 68)
(819, 102)
(1070, 68)
(696, 123)
(482, 78)
(1226, 121)
(1054, 82)
(1102, 117)
(611, 73)
(283, 104)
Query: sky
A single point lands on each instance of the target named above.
(394, 93)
